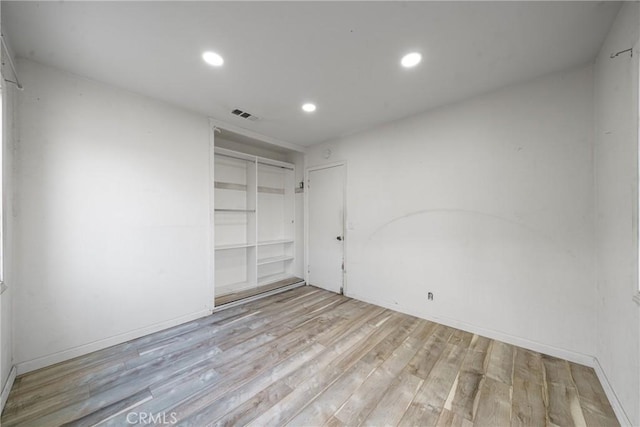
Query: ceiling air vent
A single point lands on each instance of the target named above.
(244, 115)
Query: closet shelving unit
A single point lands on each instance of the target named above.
(254, 224)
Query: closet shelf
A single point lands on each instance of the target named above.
(243, 187)
(271, 260)
(234, 246)
(270, 190)
(235, 210)
(274, 242)
(230, 186)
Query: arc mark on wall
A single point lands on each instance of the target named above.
(535, 232)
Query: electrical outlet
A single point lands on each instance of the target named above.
(430, 296)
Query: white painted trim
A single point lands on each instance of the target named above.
(636, 212)
(342, 163)
(325, 166)
(621, 414)
(6, 389)
(550, 350)
(305, 218)
(61, 356)
(258, 136)
(345, 231)
(212, 227)
(572, 356)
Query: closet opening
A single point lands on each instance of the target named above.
(257, 217)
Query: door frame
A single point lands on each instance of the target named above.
(307, 172)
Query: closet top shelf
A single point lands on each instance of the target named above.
(261, 160)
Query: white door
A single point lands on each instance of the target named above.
(326, 227)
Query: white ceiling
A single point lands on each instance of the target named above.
(344, 56)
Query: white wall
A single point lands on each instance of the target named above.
(6, 296)
(489, 205)
(112, 238)
(9, 103)
(6, 321)
(616, 154)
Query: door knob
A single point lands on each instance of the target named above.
(339, 238)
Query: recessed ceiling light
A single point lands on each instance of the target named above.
(411, 59)
(212, 58)
(309, 107)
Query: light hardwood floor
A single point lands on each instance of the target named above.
(308, 357)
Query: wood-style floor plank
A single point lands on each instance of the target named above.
(393, 358)
(595, 406)
(307, 357)
(311, 394)
(494, 404)
(500, 367)
(399, 396)
(527, 404)
(427, 405)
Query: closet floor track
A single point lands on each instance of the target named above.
(237, 296)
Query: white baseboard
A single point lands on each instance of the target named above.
(550, 350)
(561, 353)
(6, 388)
(611, 395)
(50, 359)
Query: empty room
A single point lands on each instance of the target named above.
(323, 213)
